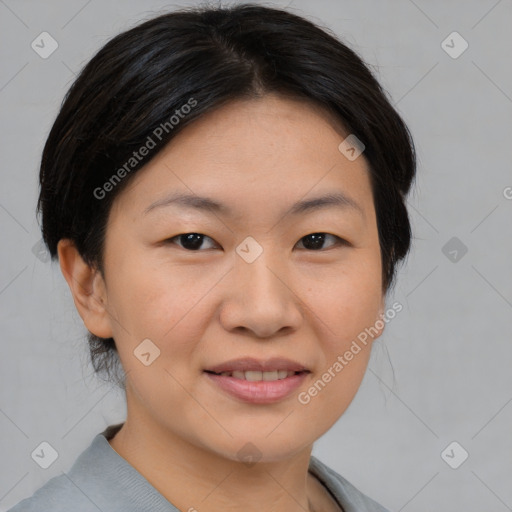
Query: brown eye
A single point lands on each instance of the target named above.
(191, 241)
(315, 241)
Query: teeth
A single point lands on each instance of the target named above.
(253, 375)
(270, 375)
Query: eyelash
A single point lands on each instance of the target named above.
(339, 241)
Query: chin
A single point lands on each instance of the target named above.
(249, 449)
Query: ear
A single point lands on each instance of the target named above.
(379, 322)
(382, 307)
(87, 287)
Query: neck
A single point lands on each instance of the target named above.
(193, 478)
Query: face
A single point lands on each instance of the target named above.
(264, 274)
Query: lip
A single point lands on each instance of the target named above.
(258, 392)
(252, 364)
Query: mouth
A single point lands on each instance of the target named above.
(256, 376)
(258, 369)
(256, 381)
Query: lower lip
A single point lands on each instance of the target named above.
(259, 392)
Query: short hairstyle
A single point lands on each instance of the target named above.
(203, 58)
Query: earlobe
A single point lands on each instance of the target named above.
(381, 308)
(379, 322)
(87, 288)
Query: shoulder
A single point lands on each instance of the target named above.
(86, 487)
(57, 495)
(351, 498)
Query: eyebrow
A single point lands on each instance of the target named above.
(335, 199)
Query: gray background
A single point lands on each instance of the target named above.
(448, 375)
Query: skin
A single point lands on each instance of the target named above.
(208, 306)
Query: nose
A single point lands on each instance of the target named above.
(260, 299)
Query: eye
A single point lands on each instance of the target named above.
(194, 241)
(314, 241)
(191, 241)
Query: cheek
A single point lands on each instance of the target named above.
(162, 304)
(344, 358)
(347, 307)
(345, 301)
(154, 300)
(167, 304)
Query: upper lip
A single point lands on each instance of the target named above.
(252, 364)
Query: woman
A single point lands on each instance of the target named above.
(224, 189)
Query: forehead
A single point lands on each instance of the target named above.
(251, 155)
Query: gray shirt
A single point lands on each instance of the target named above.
(100, 480)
